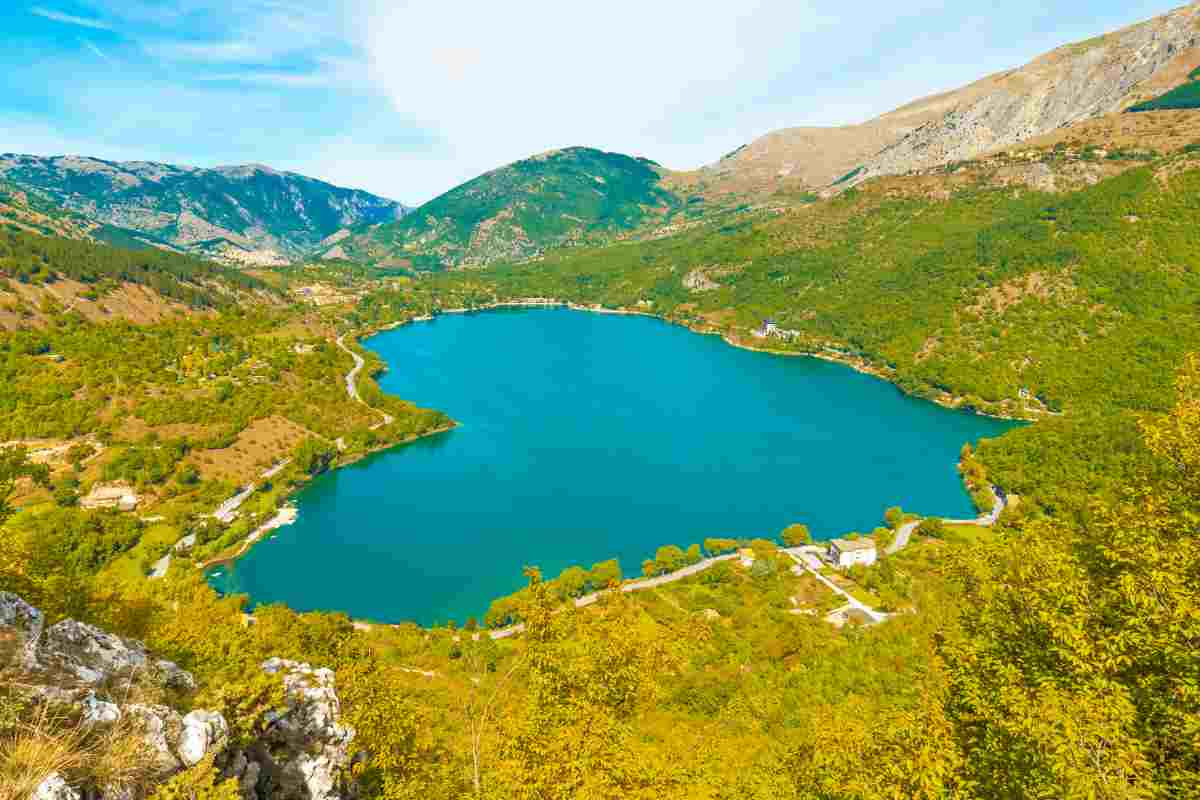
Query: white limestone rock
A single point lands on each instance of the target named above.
(204, 732)
(161, 728)
(99, 712)
(302, 753)
(93, 656)
(54, 788)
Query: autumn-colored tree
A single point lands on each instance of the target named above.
(1077, 675)
(796, 535)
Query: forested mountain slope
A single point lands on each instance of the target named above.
(41, 276)
(241, 215)
(1056, 282)
(1072, 83)
(563, 197)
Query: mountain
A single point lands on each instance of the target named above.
(1071, 84)
(240, 215)
(563, 197)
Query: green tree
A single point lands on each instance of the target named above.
(933, 527)
(796, 535)
(669, 558)
(894, 517)
(15, 465)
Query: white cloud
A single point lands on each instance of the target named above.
(70, 19)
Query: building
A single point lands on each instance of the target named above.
(768, 328)
(845, 553)
(110, 495)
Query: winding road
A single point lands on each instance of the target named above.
(352, 388)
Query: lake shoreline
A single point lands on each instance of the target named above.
(730, 338)
(243, 546)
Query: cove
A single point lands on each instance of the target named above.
(586, 437)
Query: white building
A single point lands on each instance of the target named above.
(111, 495)
(845, 553)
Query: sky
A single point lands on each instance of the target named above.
(408, 98)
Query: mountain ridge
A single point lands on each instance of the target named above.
(248, 214)
(1070, 84)
(561, 197)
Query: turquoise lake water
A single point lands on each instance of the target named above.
(586, 437)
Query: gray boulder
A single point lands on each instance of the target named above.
(93, 656)
(20, 631)
(97, 711)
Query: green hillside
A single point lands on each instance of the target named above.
(564, 197)
(1074, 307)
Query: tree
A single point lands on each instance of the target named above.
(894, 517)
(933, 527)
(15, 465)
(314, 456)
(796, 535)
(669, 558)
(715, 547)
(604, 574)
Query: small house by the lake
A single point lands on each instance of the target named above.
(845, 553)
(768, 328)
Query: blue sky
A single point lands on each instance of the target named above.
(408, 99)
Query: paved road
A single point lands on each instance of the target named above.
(228, 510)
(633, 586)
(352, 387)
(905, 531)
(903, 534)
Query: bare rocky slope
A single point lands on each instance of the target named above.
(113, 685)
(1072, 84)
(245, 215)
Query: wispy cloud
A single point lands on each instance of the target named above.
(100, 54)
(70, 19)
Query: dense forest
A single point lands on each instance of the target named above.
(30, 258)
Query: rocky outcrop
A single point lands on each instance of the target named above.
(301, 753)
(20, 630)
(304, 748)
(93, 656)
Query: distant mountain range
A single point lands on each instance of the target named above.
(246, 215)
(585, 196)
(253, 215)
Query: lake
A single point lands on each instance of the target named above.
(586, 437)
